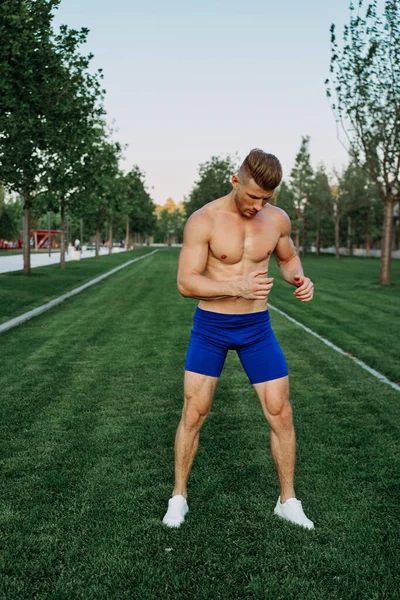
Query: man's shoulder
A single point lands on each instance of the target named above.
(200, 224)
(205, 214)
(280, 217)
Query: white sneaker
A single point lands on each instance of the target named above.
(292, 511)
(177, 511)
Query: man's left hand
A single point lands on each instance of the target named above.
(305, 288)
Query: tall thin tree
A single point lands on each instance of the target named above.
(365, 91)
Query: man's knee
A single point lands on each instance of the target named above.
(194, 411)
(280, 416)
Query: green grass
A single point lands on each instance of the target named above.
(20, 293)
(349, 308)
(91, 395)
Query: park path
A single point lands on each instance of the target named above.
(15, 262)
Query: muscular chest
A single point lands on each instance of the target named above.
(233, 242)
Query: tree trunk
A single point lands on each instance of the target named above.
(97, 241)
(367, 238)
(62, 240)
(397, 229)
(26, 238)
(337, 238)
(387, 242)
(127, 236)
(110, 239)
(318, 241)
(297, 240)
(350, 237)
(66, 234)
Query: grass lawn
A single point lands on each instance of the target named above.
(91, 395)
(349, 308)
(20, 293)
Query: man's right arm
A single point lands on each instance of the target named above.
(193, 261)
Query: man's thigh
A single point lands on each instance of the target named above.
(263, 360)
(199, 391)
(273, 395)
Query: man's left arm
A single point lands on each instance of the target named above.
(289, 262)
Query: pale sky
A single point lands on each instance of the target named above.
(188, 79)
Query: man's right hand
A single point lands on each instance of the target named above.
(255, 286)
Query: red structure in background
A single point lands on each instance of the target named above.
(41, 236)
(38, 238)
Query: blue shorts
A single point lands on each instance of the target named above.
(251, 335)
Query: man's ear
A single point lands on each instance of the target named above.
(235, 182)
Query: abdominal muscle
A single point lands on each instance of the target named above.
(233, 305)
(219, 271)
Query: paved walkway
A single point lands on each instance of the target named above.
(16, 263)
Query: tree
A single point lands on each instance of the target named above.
(78, 124)
(320, 204)
(117, 217)
(365, 78)
(27, 58)
(284, 198)
(301, 179)
(94, 199)
(359, 203)
(2, 197)
(10, 218)
(170, 222)
(139, 207)
(43, 89)
(214, 181)
(348, 195)
(366, 220)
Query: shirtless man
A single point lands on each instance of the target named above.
(224, 263)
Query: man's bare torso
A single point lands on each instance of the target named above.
(238, 246)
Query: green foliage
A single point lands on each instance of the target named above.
(301, 180)
(365, 74)
(11, 220)
(318, 210)
(354, 189)
(170, 226)
(49, 106)
(366, 215)
(94, 199)
(138, 206)
(2, 197)
(285, 199)
(365, 92)
(301, 176)
(48, 99)
(27, 91)
(214, 181)
(79, 129)
(320, 198)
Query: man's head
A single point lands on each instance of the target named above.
(255, 183)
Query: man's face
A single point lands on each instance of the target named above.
(249, 197)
